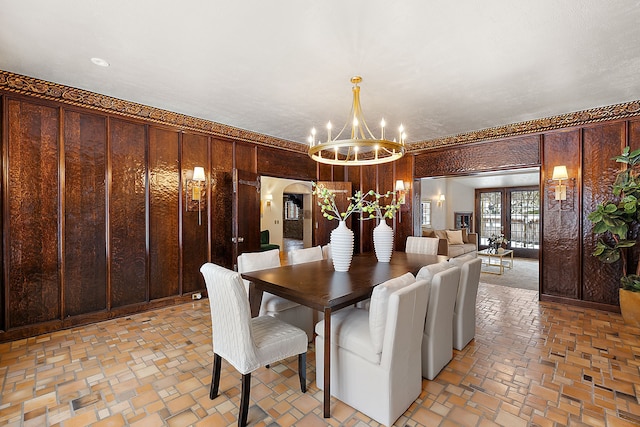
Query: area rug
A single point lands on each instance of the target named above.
(523, 275)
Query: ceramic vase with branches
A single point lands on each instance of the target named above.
(382, 234)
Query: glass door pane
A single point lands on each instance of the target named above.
(490, 215)
(525, 219)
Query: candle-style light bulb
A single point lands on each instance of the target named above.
(354, 128)
(313, 136)
(329, 132)
(376, 147)
(382, 124)
(404, 137)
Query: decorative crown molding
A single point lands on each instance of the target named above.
(578, 118)
(16, 83)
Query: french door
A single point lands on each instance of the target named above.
(513, 212)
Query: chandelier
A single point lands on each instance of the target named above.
(361, 148)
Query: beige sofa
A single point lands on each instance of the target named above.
(450, 244)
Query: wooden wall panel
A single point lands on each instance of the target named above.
(245, 157)
(194, 235)
(288, 164)
(385, 182)
(493, 155)
(164, 255)
(85, 269)
(403, 169)
(325, 172)
(368, 182)
(221, 199)
(31, 214)
(560, 255)
(127, 213)
(600, 144)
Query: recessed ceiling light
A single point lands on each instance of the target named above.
(99, 61)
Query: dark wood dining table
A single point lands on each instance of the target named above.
(317, 285)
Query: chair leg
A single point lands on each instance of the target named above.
(215, 377)
(244, 400)
(302, 371)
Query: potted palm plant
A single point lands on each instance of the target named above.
(617, 222)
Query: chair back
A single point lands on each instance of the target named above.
(298, 256)
(326, 251)
(406, 313)
(230, 317)
(254, 261)
(465, 309)
(422, 245)
(437, 341)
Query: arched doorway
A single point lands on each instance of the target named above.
(278, 195)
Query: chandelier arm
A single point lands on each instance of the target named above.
(337, 138)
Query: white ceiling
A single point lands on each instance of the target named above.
(280, 67)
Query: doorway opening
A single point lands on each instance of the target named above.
(491, 203)
(286, 213)
(293, 221)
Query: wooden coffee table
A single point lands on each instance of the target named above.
(500, 258)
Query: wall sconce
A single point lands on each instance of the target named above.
(560, 173)
(195, 184)
(441, 200)
(401, 192)
(268, 199)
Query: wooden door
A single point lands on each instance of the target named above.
(246, 213)
(323, 226)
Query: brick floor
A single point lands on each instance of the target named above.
(531, 364)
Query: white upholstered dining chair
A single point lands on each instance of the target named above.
(375, 354)
(464, 313)
(272, 305)
(437, 341)
(244, 342)
(422, 245)
(326, 251)
(298, 256)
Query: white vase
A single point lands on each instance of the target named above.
(383, 241)
(341, 247)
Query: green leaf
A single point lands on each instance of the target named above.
(635, 154)
(625, 243)
(631, 282)
(595, 216)
(600, 227)
(630, 207)
(609, 256)
(620, 230)
(610, 208)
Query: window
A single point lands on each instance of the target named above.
(291, 210)
(426, 213)
(490, 215)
